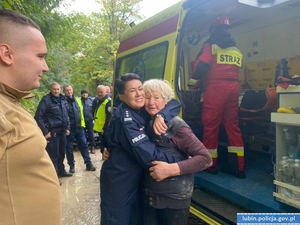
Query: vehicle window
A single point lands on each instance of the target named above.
(147, 63)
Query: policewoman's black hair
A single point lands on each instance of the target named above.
(121, 82)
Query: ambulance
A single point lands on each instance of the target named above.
(267, 33)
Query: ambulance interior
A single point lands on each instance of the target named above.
(269, 39)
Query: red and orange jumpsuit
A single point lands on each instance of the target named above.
(220, 104)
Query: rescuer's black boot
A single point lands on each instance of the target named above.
(232, 167)
(211, 170)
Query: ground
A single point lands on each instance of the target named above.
(81, 194)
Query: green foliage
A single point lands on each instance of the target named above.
(31, 104)
(41, 11)
(81, 48)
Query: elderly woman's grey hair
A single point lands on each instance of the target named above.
(161, 86)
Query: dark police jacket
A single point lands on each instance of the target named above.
(51, 114)
(87, 108)
(173, 192)
(73, 113)
(131, 152)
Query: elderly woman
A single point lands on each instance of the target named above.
(167, 202)
(130, 153)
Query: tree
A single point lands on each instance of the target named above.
(115, 17)
(44, 13)
(81, 48)
(95, 40)
(41, 11)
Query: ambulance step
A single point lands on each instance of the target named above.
(219, 210)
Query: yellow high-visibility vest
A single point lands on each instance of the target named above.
(82, 123)
(100, 117)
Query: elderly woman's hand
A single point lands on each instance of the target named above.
(105, 154)
(159, 126)
(163, 170)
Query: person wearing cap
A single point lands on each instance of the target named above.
(86, 103)
(217, 67)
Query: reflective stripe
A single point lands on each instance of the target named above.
(81, 111)
(227, 56)
(238, 150)
(100, 117)
(213, 153)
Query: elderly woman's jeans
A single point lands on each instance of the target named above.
(166, 216)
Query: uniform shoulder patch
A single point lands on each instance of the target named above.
(127, 116)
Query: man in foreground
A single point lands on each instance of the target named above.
(29, 187)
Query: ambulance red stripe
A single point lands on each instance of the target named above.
(159, 30)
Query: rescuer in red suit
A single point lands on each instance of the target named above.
(217, 67)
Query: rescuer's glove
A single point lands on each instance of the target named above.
(192, 82)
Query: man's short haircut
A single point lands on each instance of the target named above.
(101, 86)
(67, 85)
(161, 86)
(9, 18)
(15, 29)
(121, 82)
(54, 83)
(107, 89)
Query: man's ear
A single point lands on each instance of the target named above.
(121, 96)
(6, 54)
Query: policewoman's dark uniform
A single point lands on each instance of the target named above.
(131, 152)
(51, 116)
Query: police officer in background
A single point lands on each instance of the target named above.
(52, 118)
(217, 66)
(85, 102)
(108, 90)
(77, 132)
(102, 113)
